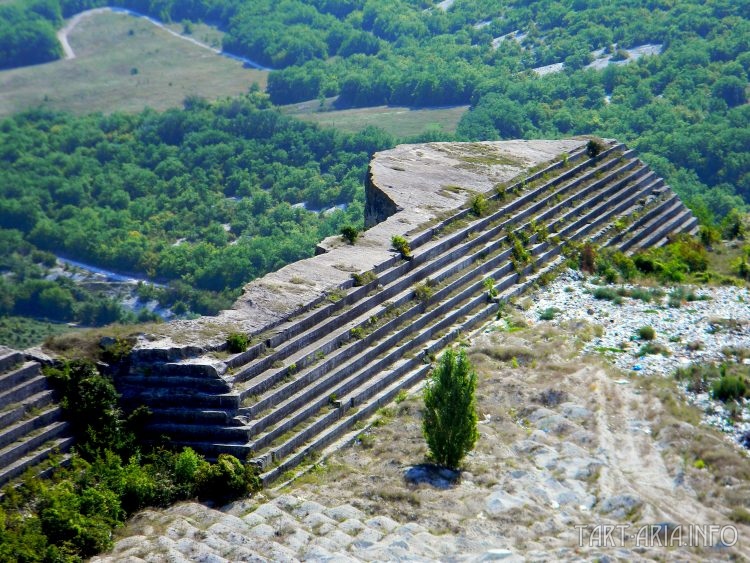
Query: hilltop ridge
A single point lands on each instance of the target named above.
(407, 186)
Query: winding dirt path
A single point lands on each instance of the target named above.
(634, 465)
(62, 35)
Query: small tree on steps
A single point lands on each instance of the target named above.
(450, 415)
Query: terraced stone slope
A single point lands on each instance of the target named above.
(31, 425)
(326, 353)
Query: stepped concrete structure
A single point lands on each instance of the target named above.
(31, 425)
(336, 336)
(326, 352)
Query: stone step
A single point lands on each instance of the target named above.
(185, 432)
(16, 412)
(669, 222)
(23, 391)
(647, 213)
(307, 408)
(689, 225)
(278, 413)
(34, 457)
(577, 203)
(182, 397)
(303, 405)
(653, 193)
(9, 358)
(193, 416)
(17, 450)
(598, 190)
(281, 451)
(616, 203)
(640, 230)
(339, 424)
(20, 428)
(368, 398)
(18, 375)
(270, 378)
(397, 272)
(197, 384)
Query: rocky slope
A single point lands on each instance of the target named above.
(568, 443)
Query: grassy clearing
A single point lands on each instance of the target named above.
(398, 121)
(22, 332)
(126, 64)
(84, 343)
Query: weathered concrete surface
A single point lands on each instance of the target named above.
(419, 182)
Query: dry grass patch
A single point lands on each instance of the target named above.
(124, 64)
(85, 344)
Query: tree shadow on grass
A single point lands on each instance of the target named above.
(436, 476)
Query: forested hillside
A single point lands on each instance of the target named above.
(203, 196)
(685, 109)
(211, 196)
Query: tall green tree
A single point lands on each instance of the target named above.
(450, 415)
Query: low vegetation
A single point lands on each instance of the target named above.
(646, 333)
(350, 234)
(237, 342)
(71, 516)
(401, 245)
(684, 259)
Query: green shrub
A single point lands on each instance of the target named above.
(350, 234)
(450, 416)
(609, 275)
(742, 268)
(733, 225)
(548, 314)
(91, 404)
(740, 515)
(364, 278)
(709, 235)
(186, 468)
(519, 253)
(357, 332)
(226, 479)
(697, 376)
(401, 245)
(646, 264)
(728, 388)
(489, 286)
(594, 147)
(587, 257)
(64, 524)
(237, 342)
(117, 351)
(423, 292)
(479, 205)
(642, 294)
(646, 333)
(653, 348)
(607, 294)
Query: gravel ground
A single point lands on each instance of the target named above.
(720, 319)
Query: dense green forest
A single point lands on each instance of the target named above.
(27, 33)
(207, 196)
(204, 197)
(684, 109)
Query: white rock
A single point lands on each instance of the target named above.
(341, 513)
(499, 502)
(382, 523)
(263, 531)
